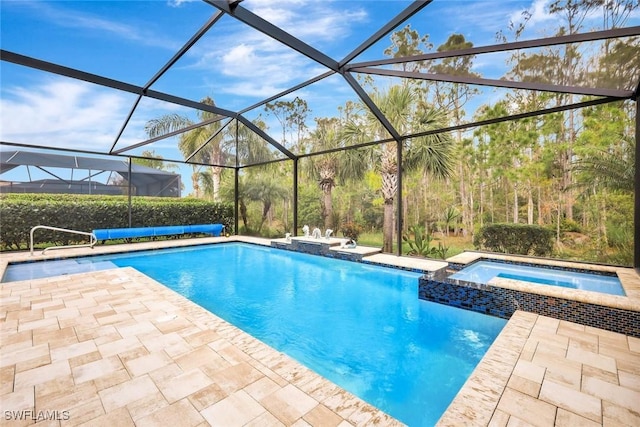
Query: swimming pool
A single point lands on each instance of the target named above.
(361, 326)
(483, 271)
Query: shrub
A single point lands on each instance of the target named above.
(515, 239)
(351, 230)
(569, 225)
(420, 244)
(21, 212)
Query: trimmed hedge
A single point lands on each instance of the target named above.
(517, 239)
(20, 212)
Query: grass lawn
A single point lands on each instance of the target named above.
(456, 244)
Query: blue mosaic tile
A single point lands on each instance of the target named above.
(503, 303)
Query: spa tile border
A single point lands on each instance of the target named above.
(504, 302)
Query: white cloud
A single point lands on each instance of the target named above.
(330, 25)
(479, 21)
(492, 65)
(312, 21)
(277, 16)
(255, 65)
(178, 3)
(266, 62)
(251, 64)
(237, 58)
(539, 11)
(59, 113)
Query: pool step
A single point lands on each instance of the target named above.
(39, 270)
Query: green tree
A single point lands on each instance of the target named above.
(328, 169)
(432, 152)
(453, 97)
(251, 149)
(407, 42)
(292, 116)
(610, 161)
(150, 159)
(606, 161)
(563, 65)
(202, 145)
(450, 216)
(264, 188)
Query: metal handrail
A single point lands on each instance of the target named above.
(92, 238)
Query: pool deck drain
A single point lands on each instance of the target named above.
(117, 348)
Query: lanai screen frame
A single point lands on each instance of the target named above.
(346, 69)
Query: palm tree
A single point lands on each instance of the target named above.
(433, 153)
(335, 166)
(191, 145)
(449, 216)
(251, 149)
(609, 169)
(610, 161)
(266, 188)
(152, 160)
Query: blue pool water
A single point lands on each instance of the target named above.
(361, 326)
(484, 271)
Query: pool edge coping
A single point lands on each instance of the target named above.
(491, 376)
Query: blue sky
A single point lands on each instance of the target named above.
(237, 66)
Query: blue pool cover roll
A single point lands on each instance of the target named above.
(101, 234)
(165, 230)
(213, 229)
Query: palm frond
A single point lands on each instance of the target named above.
(613, 170)
(165, 124)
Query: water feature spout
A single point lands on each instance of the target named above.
(348, 244)
(316, 233)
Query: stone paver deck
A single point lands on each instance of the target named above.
(117, 348)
